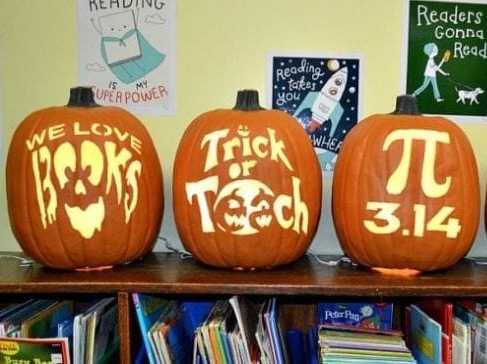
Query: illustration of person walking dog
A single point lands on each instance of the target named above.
(465, 93)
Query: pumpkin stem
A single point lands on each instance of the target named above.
(247, 100)
(406, 105)
(82, 97)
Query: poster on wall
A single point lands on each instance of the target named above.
(1, 115)
(322, 92)
(446, 56)
(126, 51)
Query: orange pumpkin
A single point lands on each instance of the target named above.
(246, 187)
(84, 185)
(406, 191)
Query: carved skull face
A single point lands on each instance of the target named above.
(77, 180)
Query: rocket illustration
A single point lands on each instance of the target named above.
(325, 104)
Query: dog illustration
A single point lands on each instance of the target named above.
(469, 95)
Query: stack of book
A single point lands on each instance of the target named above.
(340, 344)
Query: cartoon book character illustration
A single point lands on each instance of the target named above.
(431, 68)
(124, 49)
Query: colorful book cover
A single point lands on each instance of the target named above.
(39, 350)
(271, 321)
(441, 311)
(159, 346)
(45, 323)
(148, 308)
(247, 318)
(12, 325)
(461, 342)
(80, 324)
(106, 335)
(367, 315)
(426, 337)
(194, 313)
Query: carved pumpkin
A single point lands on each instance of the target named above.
(406, 191)
(246, 187)
(84, 185)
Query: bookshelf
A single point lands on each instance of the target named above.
(298, 284)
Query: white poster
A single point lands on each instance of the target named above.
(126, 51)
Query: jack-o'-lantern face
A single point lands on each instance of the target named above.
(77, 179)
(247, 187)
(84, 185)
(243, 207)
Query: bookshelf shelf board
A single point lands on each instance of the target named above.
(167, 273)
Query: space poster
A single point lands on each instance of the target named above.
(446, 54)
(323, 93)
(126, 52)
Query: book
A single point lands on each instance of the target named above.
(426, 336)
(158, 343)
(11, 325)
(179, 343)
(65, 329)
(461, 342)
(263, 338)
(44, 324)
(37, 350)
(148, 308)
(194, 312)
(82, 338)
(473, 315)
(271, 322)
(441, 311)
(208, 333)
(247, 319)
(352, 344)
(10, 309)
(363, 314)
(104, 330)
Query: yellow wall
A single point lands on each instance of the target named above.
(222, 47)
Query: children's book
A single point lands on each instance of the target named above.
(441, 311)
(247, 319)
(11, 325)
(148, 308)
(461, 342)
(271, 321)
(426, 336)
(473, 315)
(44, 324)
(103, 334)
(38, 350)
(80, 325)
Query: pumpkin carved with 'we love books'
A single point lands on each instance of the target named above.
(246, 187)
(84, 185)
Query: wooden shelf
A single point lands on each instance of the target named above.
(168, 274)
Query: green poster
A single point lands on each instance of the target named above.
(447, 57)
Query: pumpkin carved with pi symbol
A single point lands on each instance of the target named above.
(406, 191)
(84, 185)
(246, 187)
